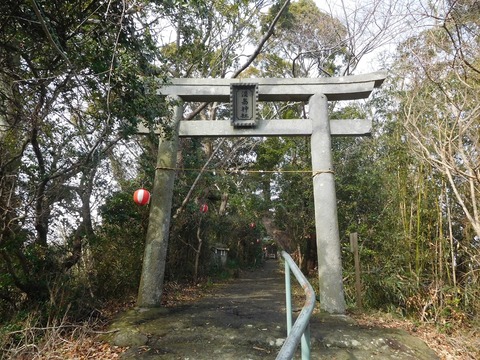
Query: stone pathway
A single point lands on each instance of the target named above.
(246, 320)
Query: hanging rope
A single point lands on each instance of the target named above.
(319, 172)
(236, 171)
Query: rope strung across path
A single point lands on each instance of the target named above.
(236, 171)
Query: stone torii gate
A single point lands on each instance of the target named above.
(317, 92)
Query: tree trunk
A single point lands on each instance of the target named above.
(198, 251)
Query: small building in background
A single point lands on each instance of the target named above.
(220, 253)
(270, 250)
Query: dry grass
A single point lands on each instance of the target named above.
(62, 340)
(57, 340)
(462, 343)
(66, 341)
(82, 342)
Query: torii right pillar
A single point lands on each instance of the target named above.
(330, 278)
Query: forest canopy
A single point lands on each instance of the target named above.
(77, 78)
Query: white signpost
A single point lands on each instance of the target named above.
(244, 93)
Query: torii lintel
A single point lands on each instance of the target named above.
(299, 127)
(350, 87)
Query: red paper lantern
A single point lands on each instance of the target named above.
(141, 197)
(203, 208)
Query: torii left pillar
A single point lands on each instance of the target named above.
(155, 253)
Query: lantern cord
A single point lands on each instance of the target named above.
(234, 171)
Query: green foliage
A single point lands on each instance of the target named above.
(307, 42)
(116, 255)
(436, 196)
(71, 87)
(208, 33)
(284, 23)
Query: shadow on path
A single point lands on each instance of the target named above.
(246, 320)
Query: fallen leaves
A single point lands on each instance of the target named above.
(82, 349)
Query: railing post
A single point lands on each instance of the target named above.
(300, 331)
(305, 344)
(288, 297)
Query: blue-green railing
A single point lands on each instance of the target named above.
(300, 331)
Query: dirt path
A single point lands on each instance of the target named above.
(246, 320)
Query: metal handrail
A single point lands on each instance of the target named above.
(300, 331)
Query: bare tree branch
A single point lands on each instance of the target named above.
(252, 57)
(189, 194)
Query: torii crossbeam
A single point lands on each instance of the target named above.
(317, 92)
